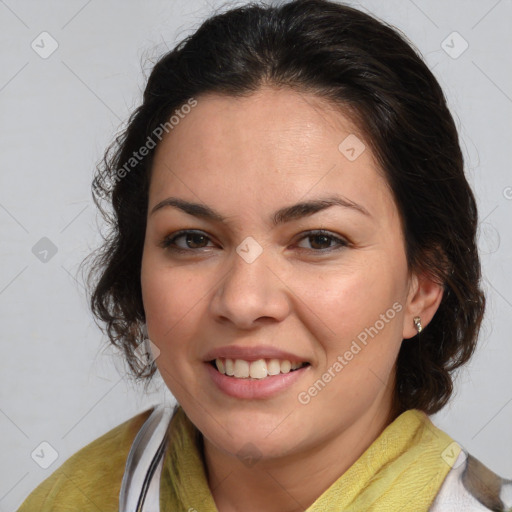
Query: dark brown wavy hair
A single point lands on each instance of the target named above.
(376, 77)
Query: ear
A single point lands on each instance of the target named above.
(423, 300)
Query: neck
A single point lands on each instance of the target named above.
(294, 482)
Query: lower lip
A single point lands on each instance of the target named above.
(254, 388)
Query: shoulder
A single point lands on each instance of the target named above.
(472, 487)
(91, 478)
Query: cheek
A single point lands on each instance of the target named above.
(356, 314)
(172, 301)
(170, 296)
(175, 298)
(347, 303)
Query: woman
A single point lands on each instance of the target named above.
(293, 231)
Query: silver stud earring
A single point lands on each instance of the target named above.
(417, 324)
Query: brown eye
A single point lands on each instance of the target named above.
(192, 240)
(320, 241)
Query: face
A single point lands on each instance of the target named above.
(323, 287)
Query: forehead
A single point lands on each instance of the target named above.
(275, 142)
(278, 117)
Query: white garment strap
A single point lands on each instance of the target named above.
(140, 488)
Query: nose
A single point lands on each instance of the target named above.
(251, 292)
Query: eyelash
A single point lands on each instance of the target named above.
(168, 241)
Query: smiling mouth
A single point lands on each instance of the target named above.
(259, 369)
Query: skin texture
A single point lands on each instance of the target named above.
(246, 158)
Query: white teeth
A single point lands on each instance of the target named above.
(230, 368)
(274, 367)
(286, 366)
(241, 368)
(260, 369)
(220, 365)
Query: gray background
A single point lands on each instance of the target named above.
(59, 383)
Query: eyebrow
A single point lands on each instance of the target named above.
(281, 216)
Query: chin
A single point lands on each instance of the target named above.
(266, 432)
(249, 448)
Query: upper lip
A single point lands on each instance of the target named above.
(252, 353)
